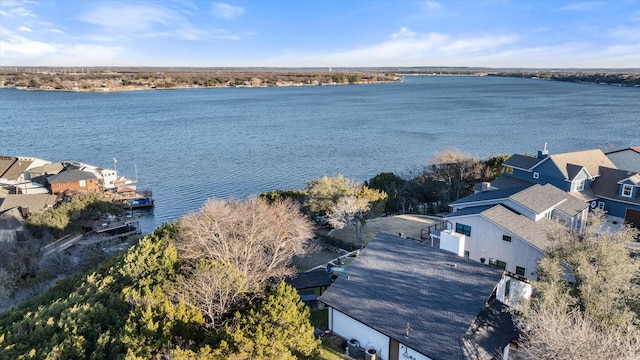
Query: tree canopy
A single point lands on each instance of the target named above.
(586, 302)
(153, 302)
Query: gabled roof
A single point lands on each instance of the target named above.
(71, 175)
(634, 179)
(490, 195)
(591, 160)
(35, 202)
(5, 163)
(533, 232)
(522, 162)
(17, 168)
(493, 328)
(506, 181)
(397, 283)
(310, 279)
(607, 185)
(538, 198)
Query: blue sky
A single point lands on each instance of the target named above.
(338, 33)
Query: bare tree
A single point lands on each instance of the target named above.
(257, 238)
(354, 209)
(458, 170)
(212, 287)
(593, 312)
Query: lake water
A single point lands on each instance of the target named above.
(193, 144)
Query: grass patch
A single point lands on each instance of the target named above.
(329, 352)
(319, 318)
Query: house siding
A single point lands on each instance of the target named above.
(486, 242)
(617, 208)
(349, 328)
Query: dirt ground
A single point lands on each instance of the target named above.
(408, 225)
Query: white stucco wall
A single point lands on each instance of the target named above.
(519, 291)
(349, 328)
(407, 353)
(452, 241)
(486, 242)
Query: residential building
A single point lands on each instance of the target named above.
(590, 175)
(401, 299)
(507, 228)
(73, 181)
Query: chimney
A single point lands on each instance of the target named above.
(543, 153)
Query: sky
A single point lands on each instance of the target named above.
(328, 33)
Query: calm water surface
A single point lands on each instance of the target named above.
(190, 145)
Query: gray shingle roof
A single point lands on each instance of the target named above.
(489, 195)
(71, 175)
(540, 198)
(506, 181)
(397, 282)
(533, 232)
(522, 162)
(311, 279)
(492, 330)
(607, 184)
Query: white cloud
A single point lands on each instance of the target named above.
(404, 32)
(56, 31)
(21, 11)
(18, 46)
(25, 29)
(581, 6)
(130, 19)
(432, 5)
(226, 11)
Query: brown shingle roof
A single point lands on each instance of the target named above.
(589, 159)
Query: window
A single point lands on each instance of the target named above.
(507, 288)
(82, 183)
(580, 185)
(497, 263)
(536, 175)
(466, 254)
(463, 229)
(627, 190)
(520, 270)
(506, 238)
(601, 205)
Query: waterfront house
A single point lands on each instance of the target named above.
(572, 172)
(507, 228)
(400, 299)
(12, 168)
(590, 175)
(74, 181)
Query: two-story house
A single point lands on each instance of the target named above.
(590, 175)
(73, 181)
(507, 228)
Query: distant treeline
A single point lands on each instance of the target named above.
(89, 79)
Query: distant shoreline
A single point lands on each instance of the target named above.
(109, 81)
